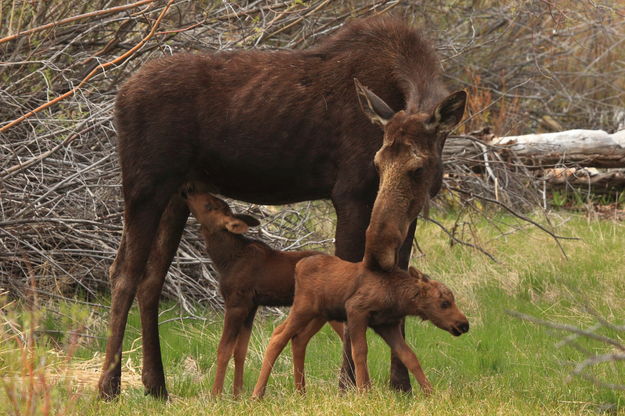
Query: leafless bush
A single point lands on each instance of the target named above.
(61, 206)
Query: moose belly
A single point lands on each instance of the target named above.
(277, 174)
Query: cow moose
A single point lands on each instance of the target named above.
(251, 274)
(275, 127)
(328, 288)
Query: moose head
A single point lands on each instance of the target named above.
(410, 169)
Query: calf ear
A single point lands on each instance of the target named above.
(248, 219)
(449, 112)
(417, 274)
(187, 189)
(236, 226)
(373, 106)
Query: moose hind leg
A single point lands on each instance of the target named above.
(162, 253)
(142, 216)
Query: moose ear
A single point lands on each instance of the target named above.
(248, 219)
(417, 274)
(449, 112)
(373, 106)
(236, 226)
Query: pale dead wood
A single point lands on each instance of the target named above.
(594, 148)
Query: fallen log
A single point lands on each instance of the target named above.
(586, 148)
(563, 160)
(590, 180)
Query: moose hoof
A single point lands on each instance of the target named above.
(401, 384)
(346, 383)
(158, 392)
(109, 388)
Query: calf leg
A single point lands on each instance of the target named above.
(163, 250)
(240, 351)
(233, 322)
(294, 324)
(394, 338)
(298, 346)
(338, 327)
(352, 221)
(143, 211)
(347, 378)
(357, 326)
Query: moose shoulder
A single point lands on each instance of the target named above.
(271, 127)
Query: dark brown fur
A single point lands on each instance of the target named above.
(251, 274)
(330, 288)
(265, 127)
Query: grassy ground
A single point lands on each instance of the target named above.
(502, 366)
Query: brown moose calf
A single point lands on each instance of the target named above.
(251, 274)
(328, 288)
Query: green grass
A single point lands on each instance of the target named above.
(504, 365)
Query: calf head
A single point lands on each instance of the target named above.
(214, 214)
(433, 301)
(410, 169)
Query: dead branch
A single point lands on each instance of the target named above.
(96, 70)
(76, 18)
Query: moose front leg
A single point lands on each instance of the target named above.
(400, 380)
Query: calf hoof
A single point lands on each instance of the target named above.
(258, 394)
(109, 387)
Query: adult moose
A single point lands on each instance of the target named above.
(274, 127)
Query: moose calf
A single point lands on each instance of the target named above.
(251, 274)
(328, 288)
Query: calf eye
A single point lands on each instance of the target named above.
(416, 173)
(445, 304)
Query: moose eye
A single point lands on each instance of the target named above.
(445, 304)
(208, 207)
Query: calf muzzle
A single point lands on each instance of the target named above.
(460, 328)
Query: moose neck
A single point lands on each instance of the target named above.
(403, 286)
(224, 247)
